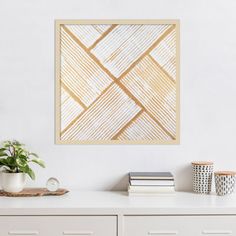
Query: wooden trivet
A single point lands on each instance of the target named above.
(34, 192)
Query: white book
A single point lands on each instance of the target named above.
(152, 182)
(151, 175)
(151, 189)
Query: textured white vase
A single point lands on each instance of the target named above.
(13, 182)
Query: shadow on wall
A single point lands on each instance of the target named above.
(183, 178)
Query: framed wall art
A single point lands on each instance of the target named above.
(117, 82)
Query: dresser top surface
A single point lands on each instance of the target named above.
(106, 202)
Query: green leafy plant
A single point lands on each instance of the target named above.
(14, 158)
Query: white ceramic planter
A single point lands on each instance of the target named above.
(13, 182)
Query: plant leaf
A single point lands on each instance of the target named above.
(11, 161)
(2, 154)
(6, 168)
(3, 162)
(33, 154)
(6, 144)
(38, 161)
(21, 161)
(17, 143)
(26, 169)
(24, 157)
(31, 174)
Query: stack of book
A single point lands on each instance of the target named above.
(142, 183)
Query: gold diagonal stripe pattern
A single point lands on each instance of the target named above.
(161, 68)
(88, 34)
(155, 43)
(130, 94)
(135, 130)
(104, 118)
(113, 78)
(72, 123)
(147, 52)
(125, 44)
(73, 95)
(85, 79)
(127, 125)
(127, 101)
(69, 108)
(156, 92)
(165, 54)
(88, 52)
(101, 37)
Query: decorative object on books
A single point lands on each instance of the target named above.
(202, 176)
(52, 184)
(149, 183)
(117, 81)
(15, 160)
(225, 182)
(34, 192)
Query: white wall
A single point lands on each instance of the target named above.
(208, 89)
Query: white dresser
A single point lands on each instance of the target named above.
(116, 214)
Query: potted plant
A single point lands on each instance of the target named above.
(15, 160)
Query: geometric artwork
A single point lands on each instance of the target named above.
(117, 82)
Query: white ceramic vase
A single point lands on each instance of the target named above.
(13, 182)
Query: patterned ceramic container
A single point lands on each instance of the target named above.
(225, 182)
(202, 176)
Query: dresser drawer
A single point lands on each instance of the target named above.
(58, 225)
(180, 225)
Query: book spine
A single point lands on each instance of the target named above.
(150, 178)
(152, 183)
(132, 194)
(162, 189)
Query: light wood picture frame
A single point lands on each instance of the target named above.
(117, 82)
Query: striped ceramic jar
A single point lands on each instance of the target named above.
(202, 176)
(225, 182)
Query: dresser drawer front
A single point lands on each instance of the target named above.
(58, 225)
(180, 225)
